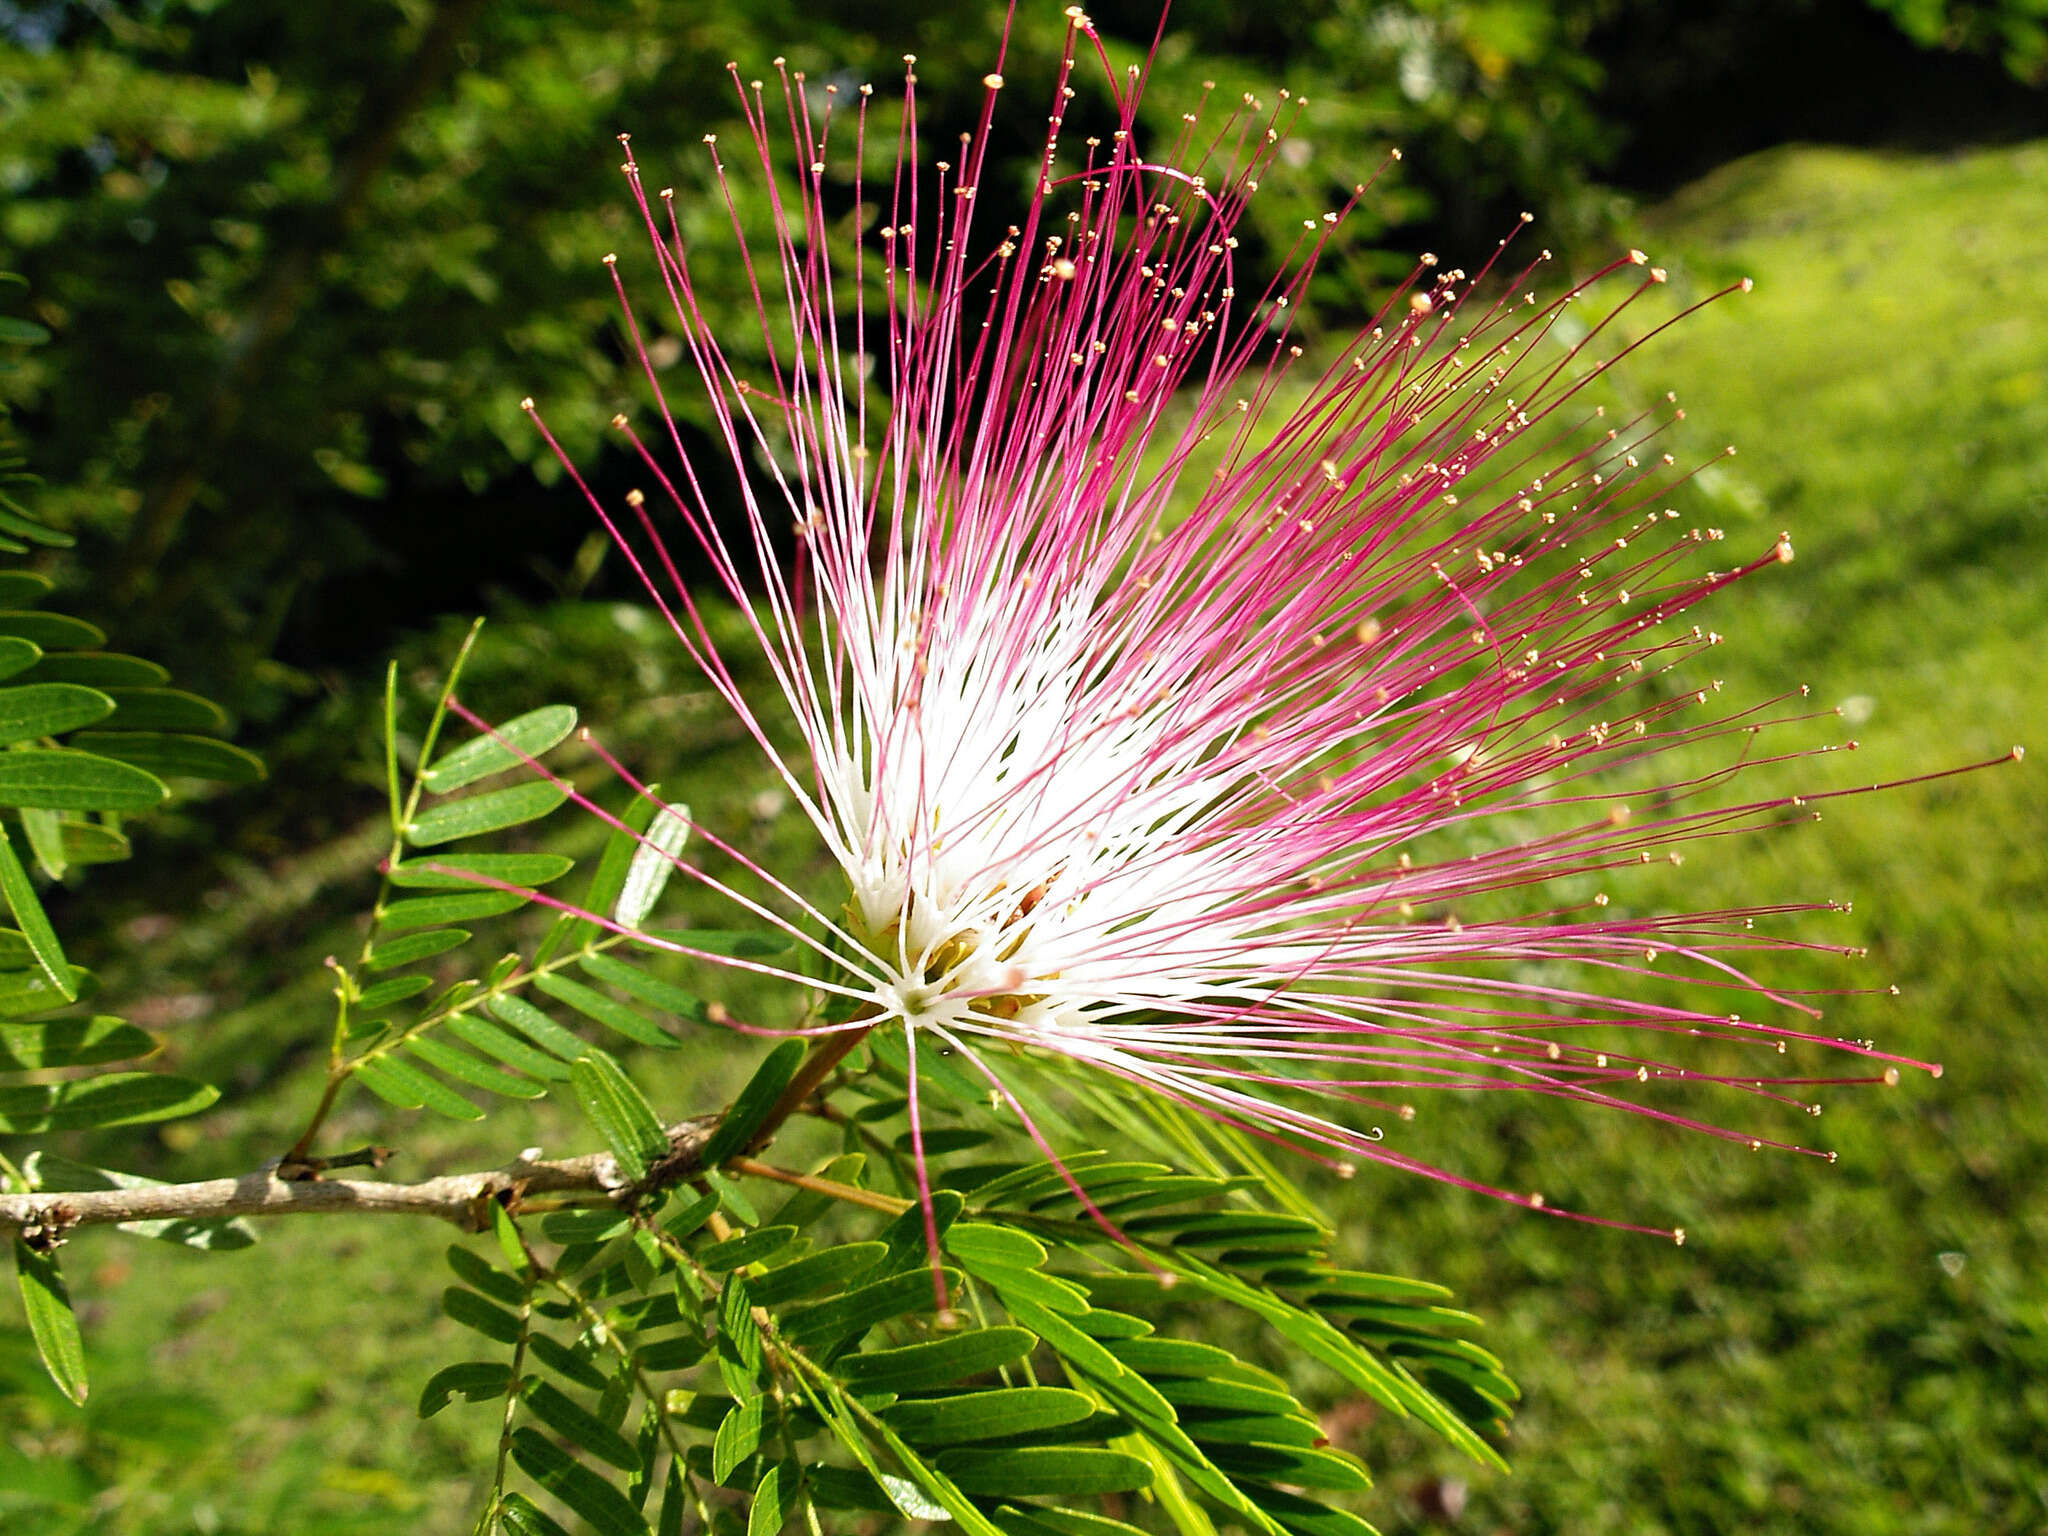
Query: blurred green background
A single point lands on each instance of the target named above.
(298, 264)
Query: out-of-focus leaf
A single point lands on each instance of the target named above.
(49, 709)
(516, 740)
(100, 669)
(87, 842)
(173, 756)
(51, 1322)
(26, 993)
(71, 1043)
(17, 655)
(163, 709)
(118, 1098)
(65, 780)
(491, 811)
(52, 631)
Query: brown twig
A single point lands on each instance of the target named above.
(462, 1198)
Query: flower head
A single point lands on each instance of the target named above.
(1251, 724)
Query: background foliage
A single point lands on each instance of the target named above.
(296, 275)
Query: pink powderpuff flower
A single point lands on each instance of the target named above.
(1218, 716)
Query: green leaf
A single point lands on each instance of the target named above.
(502, 1045)
(614, 1016)
(173, 756)
(1309, 1518)
(164, 709)
(530, 734)
(101, 669)
(739, 1436)
(750, 1108)
(1291, 1464)
(71, 1043)
(36, 931)
(580, 1427)
(775, 1500)
(824, 1323)
(492, 811)
(739, 1339)
(384, 993)
(831, 1270)
(52, 631)
(565, 1362)
(23, 589)
(1056, 1469)
(652, 990)
(474, 1381)
(620, 1112)
(590, 1496)
(536, 1026)
(50, 1171)
(593, 1226)
(609, 878)
(1172, 1357)
(653, 861)
(924, 1367)
(994, 1415)
(487, 1318)
(49, 709)
(118, 1098)
(64, 780)
(484, 1276)
(1037, 1520)
(520, 1516)
(456, 907)
(51, 1322)
(23, 993)
(27, 528)
(984, 1242)
(45, 831)
(1237, 1396)
(747, 1248)
(16, 332)
(88, 842)
(473, 1070)
(17, 655)
(397, 1081)
(419, 946)
(446, 871)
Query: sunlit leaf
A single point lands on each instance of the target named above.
(653, 861)
(118, 1098)
(51, 1322)
(48, 709)
(491, 811)
(475, 1381)
(515, 741)
(65, 780)
(619, 1111)
(590, 1496)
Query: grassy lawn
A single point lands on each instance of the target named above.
(1860, 1348)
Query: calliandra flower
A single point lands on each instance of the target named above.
(1222, 716)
